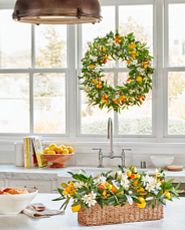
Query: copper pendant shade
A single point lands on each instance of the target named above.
(57, 11)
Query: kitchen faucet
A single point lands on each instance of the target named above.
(111, 151)
(110, 136)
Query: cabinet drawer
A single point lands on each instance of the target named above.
(42, 186)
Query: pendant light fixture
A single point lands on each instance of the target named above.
(57, 11)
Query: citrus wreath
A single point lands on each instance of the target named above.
(138, 61)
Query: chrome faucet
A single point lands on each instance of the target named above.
(111, 151)
(110, 136)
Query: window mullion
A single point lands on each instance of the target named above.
(31, 81)
(71, 82)
(31, 102)
(79, 57)
(158, 81)
(165, 71)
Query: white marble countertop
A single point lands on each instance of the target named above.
(11, 171)
(174, 219)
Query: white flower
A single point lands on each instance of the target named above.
(100, 180)
(134, 62)
(90, 199)
(141, 71)
(158, 186)
(79, 184)
(152, 185)
(97, 68)
(124, 181)
(93, 58)
(110, 41)
(145, 179)
(117, 45)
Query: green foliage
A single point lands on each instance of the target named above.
(123, 48)
(125, 185)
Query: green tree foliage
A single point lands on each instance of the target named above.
(52, 55)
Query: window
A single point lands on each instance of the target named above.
(33, 61)
(39, 65)
(137, 120)
(176, 69)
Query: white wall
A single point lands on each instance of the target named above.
(86, 156)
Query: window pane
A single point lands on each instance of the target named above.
(93, 119)
(14, 42)
(176, 35)
(176, 103)
(90, 31)
(135, 120)
(51, 46)
(49, 103)
(14, 103)
(137, 19)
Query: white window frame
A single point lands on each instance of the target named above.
(116, 70)
(168, 68)
(160, 88)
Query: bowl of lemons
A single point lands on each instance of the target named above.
(57, 155)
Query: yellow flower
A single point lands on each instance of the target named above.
(94, 81)
(129, 173)
(145, 64)
(142, 203)
(140, 190)
(132, 46)
(122, 98)
(99, 85)
(114, 189)
(128, 62)
(135, 183)
(91, 66)
(76, 208)
(104, 193)
(133, 54)
(104, 98)
(108, 186)
(69, 189)
(139, 79)
(138, 176)
(167, 195)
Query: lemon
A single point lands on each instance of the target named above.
(45, 151)
(52, 146)
(142, 202)
(76, 208)
(70, 149)
(59, 150)
(91, 66)
(139, 79)
(51, 152)
(65, 151)
(167, 195)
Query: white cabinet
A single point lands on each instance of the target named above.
(42, 186)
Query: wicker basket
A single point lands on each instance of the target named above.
(117, 214)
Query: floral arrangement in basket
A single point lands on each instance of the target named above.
(122, 187)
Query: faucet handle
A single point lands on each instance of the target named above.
(97, 149)
(126, 149)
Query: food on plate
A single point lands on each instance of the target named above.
(13, 191)
(58, 149)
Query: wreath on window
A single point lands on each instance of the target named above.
(123, 49)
